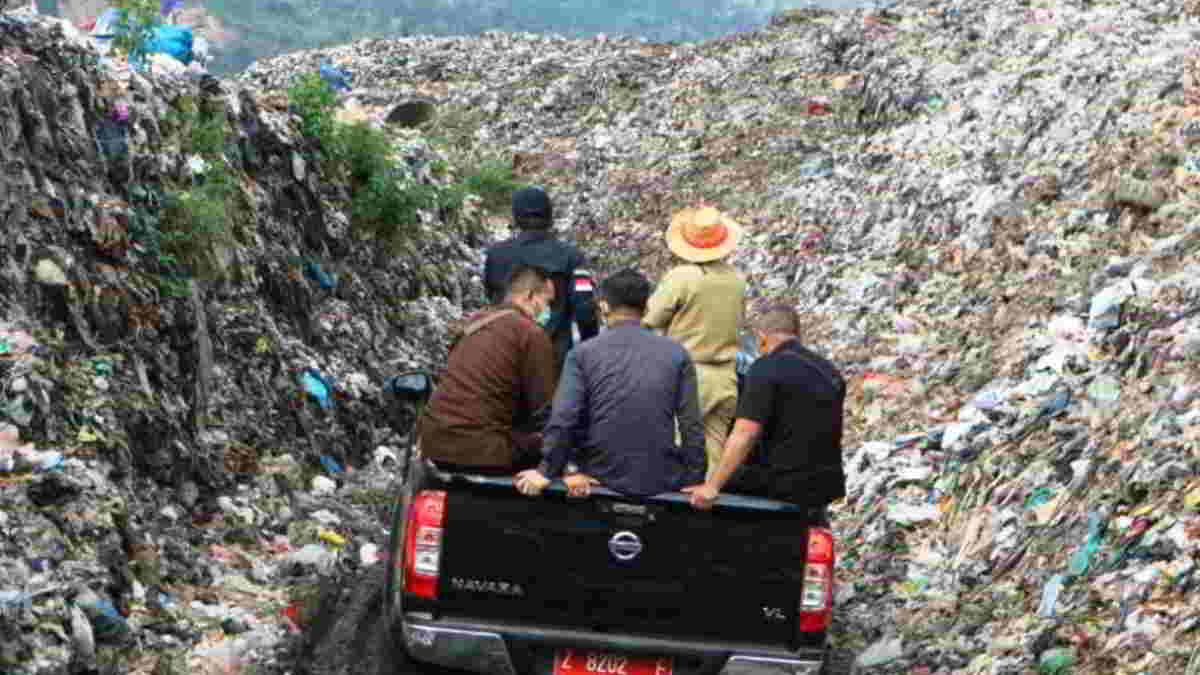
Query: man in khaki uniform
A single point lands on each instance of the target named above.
(701, 303)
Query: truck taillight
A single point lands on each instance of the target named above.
(423, 543)
(816, 598)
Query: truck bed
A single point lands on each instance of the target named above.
(613, 564)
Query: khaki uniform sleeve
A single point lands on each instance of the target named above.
(667, 298)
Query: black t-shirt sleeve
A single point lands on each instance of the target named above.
(757, 400)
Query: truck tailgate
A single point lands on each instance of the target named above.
(654, 566)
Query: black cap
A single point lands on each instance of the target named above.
(532, 203)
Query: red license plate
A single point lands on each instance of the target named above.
(588, 662)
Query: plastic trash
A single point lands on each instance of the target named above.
(107, 624)
(1039, 496)
(325, 517)
(883, 651)
(313, 555)
(317, 386)
(13, 602)
(1057, 661)
(907, 514)
(1105, 310)
(1056, 403)
(104, 29)
(175, 41)
(385, 454)
(111, 139)
(986, 400)
(82, 635)
(337, 78)
(323, 486)
(331, 537)
(323, 279)
(1050, 595)
(414, 385)
(39, 461)
(368, 554)
(820, 167)
(1080, 561)
(331, 465)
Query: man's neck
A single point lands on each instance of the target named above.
(524, 309)
(777, 341)
(617, 316)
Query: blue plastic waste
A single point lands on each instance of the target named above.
(1081, 560)
(12, 602)
(330, 464)
(318, 386)
(337, 78)
(1050, 595)
(112, 139)
(107, 623)
(1038, 497)
(173, 40)
(1056, 403)
(314, 272)
(106, 24)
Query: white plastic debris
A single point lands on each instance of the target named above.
(883, 651)
(907, 514)
(323, 486)
(368, 554)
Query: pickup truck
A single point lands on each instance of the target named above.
(483, 579)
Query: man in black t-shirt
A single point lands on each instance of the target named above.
(793, 402)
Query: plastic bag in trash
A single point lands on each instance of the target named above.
(175, 41)
(318, 386)
(314, 272)
(331, 465)
(108, 625)
(337, 78)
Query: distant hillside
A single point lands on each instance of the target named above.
(269, 27)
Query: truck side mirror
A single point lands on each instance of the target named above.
(413, 385)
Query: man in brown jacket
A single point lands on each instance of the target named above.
(497, 387)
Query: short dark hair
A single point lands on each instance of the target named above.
(532, 223)
(525, 278)
(779, 320)
(532, 209)
(627, 288)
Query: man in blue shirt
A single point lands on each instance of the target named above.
(617, 405)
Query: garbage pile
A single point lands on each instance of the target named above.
(182, 456)
(988, 213)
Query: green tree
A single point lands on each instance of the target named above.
(135, 29)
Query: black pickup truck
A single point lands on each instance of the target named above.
(483, 579)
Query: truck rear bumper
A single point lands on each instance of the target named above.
(487, 648)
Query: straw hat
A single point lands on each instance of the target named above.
(702, 235)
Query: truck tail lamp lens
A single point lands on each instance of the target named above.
(423, 543)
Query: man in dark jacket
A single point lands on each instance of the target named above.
(793, 400)
(536, 245)
(618, 401)
(497, 385)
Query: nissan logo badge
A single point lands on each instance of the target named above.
(625, 545)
